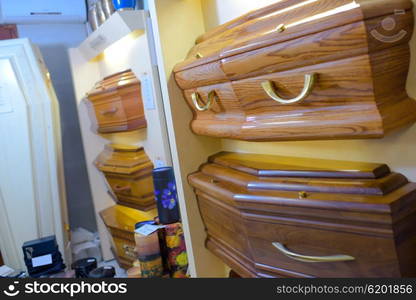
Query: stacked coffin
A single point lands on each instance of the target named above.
(271, 216)
(303, 70)
(115, 104)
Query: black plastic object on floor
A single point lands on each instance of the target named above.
(103, 272)
(84, 266)
(42, 257)
(166, 195)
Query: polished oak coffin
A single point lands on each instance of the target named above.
(273, 216)
(120, 222)
(128, 173)
(303, 70)
(115, 104)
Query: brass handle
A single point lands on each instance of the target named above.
(129, 251)
(270, 89)
(119, 188)
(196, 98)
(110, 111)
(311, 259)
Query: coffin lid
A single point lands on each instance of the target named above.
(364, 199)
(283, 166)
(123, 159)
(279, 173)
(259, 28)
(125, 218)
(114, 82)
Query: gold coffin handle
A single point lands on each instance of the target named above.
(310, 80)
(121, 189)
(129, 251)
(196, 99)
(109, 111)
(311, 259)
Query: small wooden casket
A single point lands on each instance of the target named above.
(115, 104)
(271, 216)
(128, 172)
(303, 70)
(120, 222)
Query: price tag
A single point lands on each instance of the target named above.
(147, 92)
(42, 260)
(148, 229)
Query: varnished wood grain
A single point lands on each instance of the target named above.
(264, 165)
(128, 171)
(120, 222)
(368, 8)
(360, 90)
(245, 18)
(235, 260)
(341, 105)
(260, 32)
(380, 261)
(380, 186)
(115, 104)
(248, 201)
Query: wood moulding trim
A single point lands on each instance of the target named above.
(237, 261)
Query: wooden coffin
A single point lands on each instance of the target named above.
(128, 172)
(120, 221)
(303, 70)
(271, 216)
(115, 104)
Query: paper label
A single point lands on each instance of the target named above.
(147, 93)
(148, 229)
(42, 260)
(5, 102)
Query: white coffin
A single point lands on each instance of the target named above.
(32, 192)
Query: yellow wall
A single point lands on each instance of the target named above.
(398, 149)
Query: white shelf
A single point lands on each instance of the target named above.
(119, 25)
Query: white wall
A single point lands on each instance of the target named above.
(217, 12)
(397, 150)
(53, 41)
